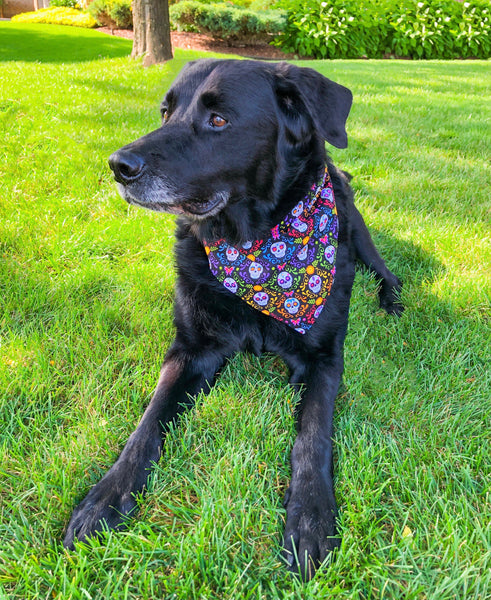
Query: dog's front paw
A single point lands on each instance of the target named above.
(310, 532)
(107, 506)
(390, 296)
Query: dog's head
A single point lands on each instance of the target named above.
(236, 137)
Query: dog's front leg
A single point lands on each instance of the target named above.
(310, 531)
(106, 506)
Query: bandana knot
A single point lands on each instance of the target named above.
(289, 275)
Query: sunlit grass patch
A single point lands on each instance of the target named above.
(86, 288)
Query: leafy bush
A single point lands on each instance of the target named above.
(409, 28)
(257, 5)
(424, 29)
(112, 13)
(474, 30)
(65, 3)
(335, 29)
(57, 15)
(229, 22)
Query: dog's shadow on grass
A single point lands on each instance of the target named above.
(411, 263)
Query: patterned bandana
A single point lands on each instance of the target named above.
(289, 275)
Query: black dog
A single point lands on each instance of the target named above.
(241, 146)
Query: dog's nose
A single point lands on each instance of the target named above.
(127, 166)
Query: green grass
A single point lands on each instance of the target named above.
(85, 319)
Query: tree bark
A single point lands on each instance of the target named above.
(151, 31)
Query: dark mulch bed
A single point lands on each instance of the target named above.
(199, 41)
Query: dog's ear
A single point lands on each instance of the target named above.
(307, 98)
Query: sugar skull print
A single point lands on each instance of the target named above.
(252, 272)
(302, 255)
(292, 305)
(278, 249)
(261, 298)
(289, 275)
(255, 270)
(330, 254)
(230, 284)
(232, 253)
(328, 196)
(300, 225)
(323, 222)
(285, 280)
(315, 284)
(297, 211)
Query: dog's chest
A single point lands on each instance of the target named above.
(289, 275)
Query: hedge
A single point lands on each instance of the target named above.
(441, 29)
(257, 5)
(227, 22)
(116, 14)
(65, 3)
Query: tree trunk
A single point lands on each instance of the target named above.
(152, 31)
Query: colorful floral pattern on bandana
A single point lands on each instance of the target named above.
(289, 275)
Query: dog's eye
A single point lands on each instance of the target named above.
(217, 121)
(165, 115)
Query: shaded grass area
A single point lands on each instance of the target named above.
(85, 319)
(57, 44)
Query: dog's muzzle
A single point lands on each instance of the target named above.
(139, 186)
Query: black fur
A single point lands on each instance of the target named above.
(240, 145)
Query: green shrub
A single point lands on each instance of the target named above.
(473, 37)
(335, 29)
(57, 15)
(408, 28)
(257, 5)
(228, 22)
(424, 29)
(442, 29)
(112, 13)
(65, 3)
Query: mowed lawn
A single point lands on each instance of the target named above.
(86, 287)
